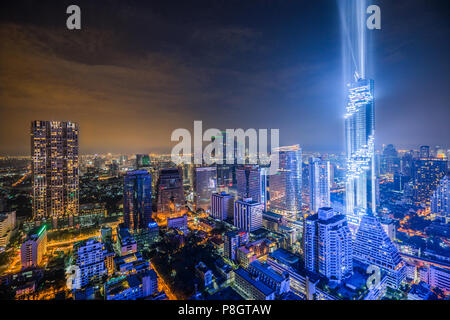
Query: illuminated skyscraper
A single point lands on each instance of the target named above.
(249, 182)
(222, 205)
(205, 183)
(427, 173)
(360, 135)
(137, 199)
(54, 153)
(170, 193)
(440, 200)
(248, 215)
(319, 184)
(328, 245)
(286, 184)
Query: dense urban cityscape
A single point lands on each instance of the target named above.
(366, 223)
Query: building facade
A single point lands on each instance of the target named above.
(328, 245)
(205, 184)
(170, 193)
(137, 199)
(222, 205)
(248, 215)
(319, 184)
(55, 181)
(286, 184)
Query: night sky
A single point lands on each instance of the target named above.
(137, 70)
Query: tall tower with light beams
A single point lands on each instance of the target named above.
(359, 116)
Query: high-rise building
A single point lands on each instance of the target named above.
(424, 152)
(328, 245)
(170, 193)
(89, 257)
(248, 215)
(249, 182)
(34, 247)
(319, 184)
(137, 199)
(360, 135)
(286, 184)
(372, 246)
(390, 162)
(427, 173)
(222, 205)
(232, 241)
(440, 200)
(7, 225)
(55, 182)
(205, 184)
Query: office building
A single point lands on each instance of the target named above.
(170, 193)
(440, 200)
(205, 184)
(286, 184)
(222, 206)
(319, 184)
(427, 174)
(265, 274)
(33, 248)
(248, 215)
(328, 245)
(55, 181)
(137, 199)
(251, 287)
(249, 182)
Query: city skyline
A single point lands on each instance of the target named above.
(116, 87)
(362, 217)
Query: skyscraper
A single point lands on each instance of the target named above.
(360, 135)
(205, 184)
(424, 152)
(286, 184)
(372, 246)
(248, 215)
(249, 182)
(328, 245)
(390, 162)
(440, 200)
(54, 154)
(170, 193)
(427, 173)
(222, 205)
(319, 184)
(137, 199)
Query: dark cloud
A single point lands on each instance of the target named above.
(138, 70)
